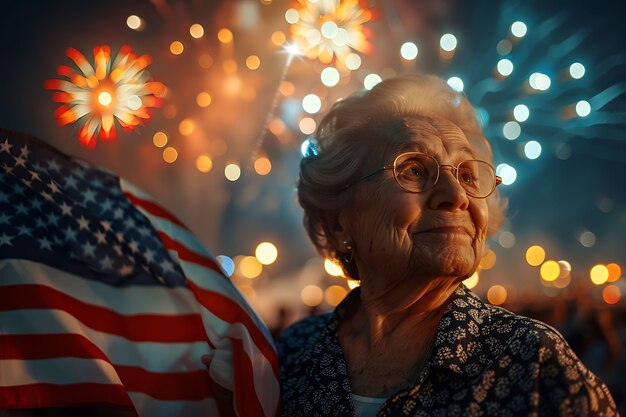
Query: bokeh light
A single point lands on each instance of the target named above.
(262, 165)
(266, 253)
(611, 294)
(521, 112)
(332, 268)
(577, 70)
(232, 172)
(599, 274)
(312, 295)
(532, 149)
(506, 239)
(371, 80)
(278, 38)
(227, 264)
(335, 294)
(496, 294)
(196, 30)
(311, 103)
(504, 47)
(615, 272)
(292, 16)
(550, 271)
(204, 163)
(307, 125)
(177, 47)
(511, 130)
(488, 260)
(330, 76)
(505, 67)
(186, 127)
(159, 139)
(587, 239)
(250, 267)
(353, 61)
(456, 83)
(135, 22)
(583, 108)
(408, 51)
(253, 62)
(170, 154)
(203, 99)
(535, 255)
(472, 281)
(507, 173)
(519, 29)
(448, 42)
(224, 35)
(539, 81)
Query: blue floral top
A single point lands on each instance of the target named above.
(485, 361)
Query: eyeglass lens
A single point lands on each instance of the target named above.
(419, 172)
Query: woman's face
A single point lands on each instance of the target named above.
(400, 237)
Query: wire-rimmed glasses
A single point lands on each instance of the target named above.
(417, 172)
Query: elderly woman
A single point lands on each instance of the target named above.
(401, 190)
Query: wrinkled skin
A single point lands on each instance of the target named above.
(408, 244)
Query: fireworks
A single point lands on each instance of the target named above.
(329, 28)
(118, 90)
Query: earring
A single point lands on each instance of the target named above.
(347, 257)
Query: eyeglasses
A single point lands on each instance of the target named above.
(418, 172)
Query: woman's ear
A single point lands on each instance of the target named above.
(335, 229)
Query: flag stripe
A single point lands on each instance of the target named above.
(141, 327)
(54, 395)
(154, 209)
(188, 255)
(230, 312)
(127, 300)
(154, 408)
(59, 371)
(155, 357)
(246, 401)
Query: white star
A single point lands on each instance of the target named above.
(24, 151)
(45, 244)
(149, 254)
(118, 213)
(46, 196)
(6, 146)
(88, 196)
(89, 249)
(71, 182)
(4, 218)
(118, 249)
(26, 182)
(34, 175)
(20, 161)
(53, 165)
(134, 246)
(7, 169)
(21, 209)
(106, 225)
(166, 265)
(106, 263)
(101, 237)
(24, 230)
(53, 187)
(83, 223)
(70, 234)
(119, 236)
(6, 240)
(66, 209)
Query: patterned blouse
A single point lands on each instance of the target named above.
(485, 361)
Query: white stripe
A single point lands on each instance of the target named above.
(150, 407)
(205, 278)
(129, 187)
(61, 371)
(154, 357)
(265, 383)
(124, 300)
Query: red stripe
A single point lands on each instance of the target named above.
(186, 254)
(138, 327)
(180, 386)
(153, 208)
(231, 312)
(246, 398)
(71, 395)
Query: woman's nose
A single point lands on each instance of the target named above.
(448, 193)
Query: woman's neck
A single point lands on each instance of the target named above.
(401, 311)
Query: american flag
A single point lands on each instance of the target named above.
(106, 298)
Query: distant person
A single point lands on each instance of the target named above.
(400, 188)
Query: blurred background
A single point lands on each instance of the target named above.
(244, 82)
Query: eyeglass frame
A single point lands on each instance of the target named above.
(455, 170)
